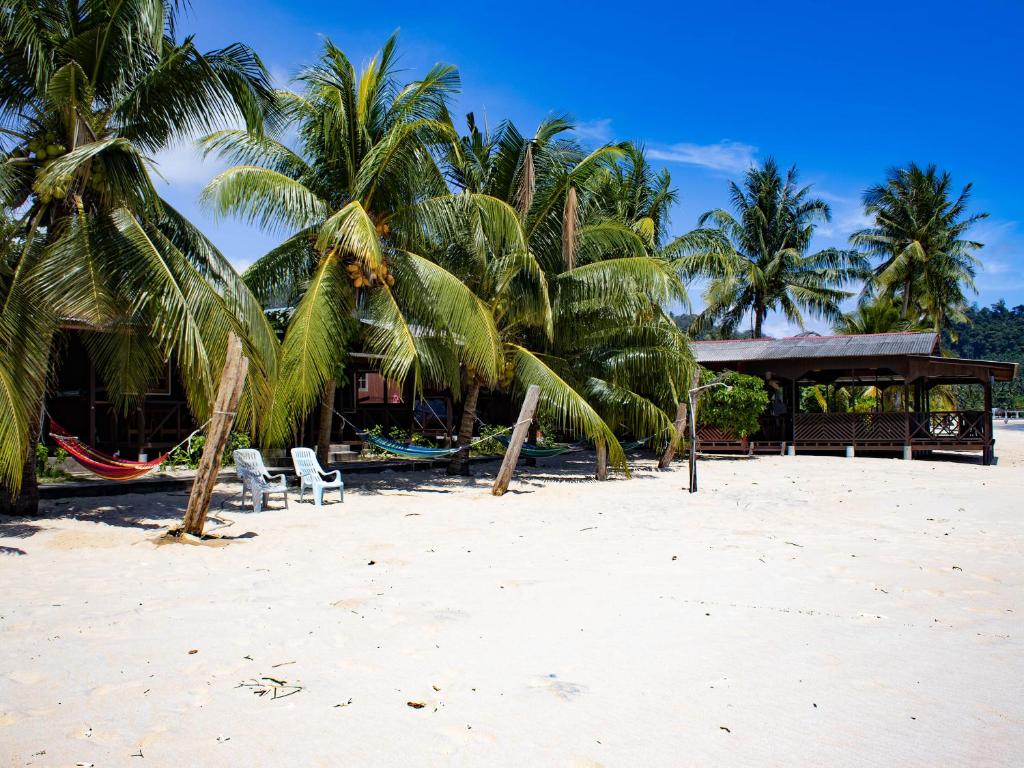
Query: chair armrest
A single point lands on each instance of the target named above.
(336, 474)
(278, 478)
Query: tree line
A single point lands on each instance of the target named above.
(464, 258)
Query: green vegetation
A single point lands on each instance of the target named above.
(993, 333)
(188, 455)
(737, 410)
(47, 470)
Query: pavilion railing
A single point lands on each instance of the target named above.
(948, 425)
(895, 428)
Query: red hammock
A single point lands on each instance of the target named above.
(97, 462)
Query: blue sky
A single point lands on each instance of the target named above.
(843, 90)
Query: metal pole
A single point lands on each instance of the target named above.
(693, 428)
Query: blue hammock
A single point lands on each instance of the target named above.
(536, 451)
(409, 451)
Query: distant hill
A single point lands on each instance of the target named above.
(993, 333)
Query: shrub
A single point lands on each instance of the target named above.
(736, 411)
(189, 454)
(489, 446)
(44, 468)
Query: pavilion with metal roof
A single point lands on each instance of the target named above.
(901, 369)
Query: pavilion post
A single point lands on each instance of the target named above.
(232, 379)
(987, 454)
(515, 443)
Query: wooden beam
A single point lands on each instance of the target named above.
(232, 379)
(515, 444)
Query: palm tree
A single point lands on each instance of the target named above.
(925, 261)
(589, 327)
(88, 92)
(379, 252)
(878, 315)
(768, 267)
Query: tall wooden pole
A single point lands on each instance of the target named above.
(236, 365)
(515, 444)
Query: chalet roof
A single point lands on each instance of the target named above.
(803, 347)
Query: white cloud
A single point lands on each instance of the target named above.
(184, 164)
(726, 156)
(595, 131)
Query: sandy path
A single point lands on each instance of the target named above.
(808, 611)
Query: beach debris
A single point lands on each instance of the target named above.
(590, 528)
(88, 732)
(282, 664)
(194, 650)
(85, 765)
(723, 728)
(436, 688)
(675, 557)
(278, 689)
(372, 562)
(415, 704)
(343, 704)
(794, 544)
(958, 568)
(222, 739)
(137, 754)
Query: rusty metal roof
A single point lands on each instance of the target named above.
(801, 347)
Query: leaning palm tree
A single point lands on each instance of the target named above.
(88, 92)
(379, 253)
(918, 236)
(768, 268)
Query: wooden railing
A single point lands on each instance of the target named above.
(888, 428)
(948, 425)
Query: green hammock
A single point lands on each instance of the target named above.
(536, 451)
(406, 450)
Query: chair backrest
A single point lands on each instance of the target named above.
(248, 461)
(305, 462)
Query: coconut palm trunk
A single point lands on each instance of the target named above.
(323, 439)
(459, 465)
(26, 502)
(669, 453)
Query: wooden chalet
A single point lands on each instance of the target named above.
(902, 369)
(79, 402)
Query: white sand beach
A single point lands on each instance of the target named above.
(797, 611)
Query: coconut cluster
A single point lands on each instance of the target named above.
(364, 277)
(44, 150)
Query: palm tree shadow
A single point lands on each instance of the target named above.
(142, 511)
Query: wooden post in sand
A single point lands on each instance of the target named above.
(232, 380)
(601, 472)
(515, 444)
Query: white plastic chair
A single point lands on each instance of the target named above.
(257, 480)
(312, 476)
